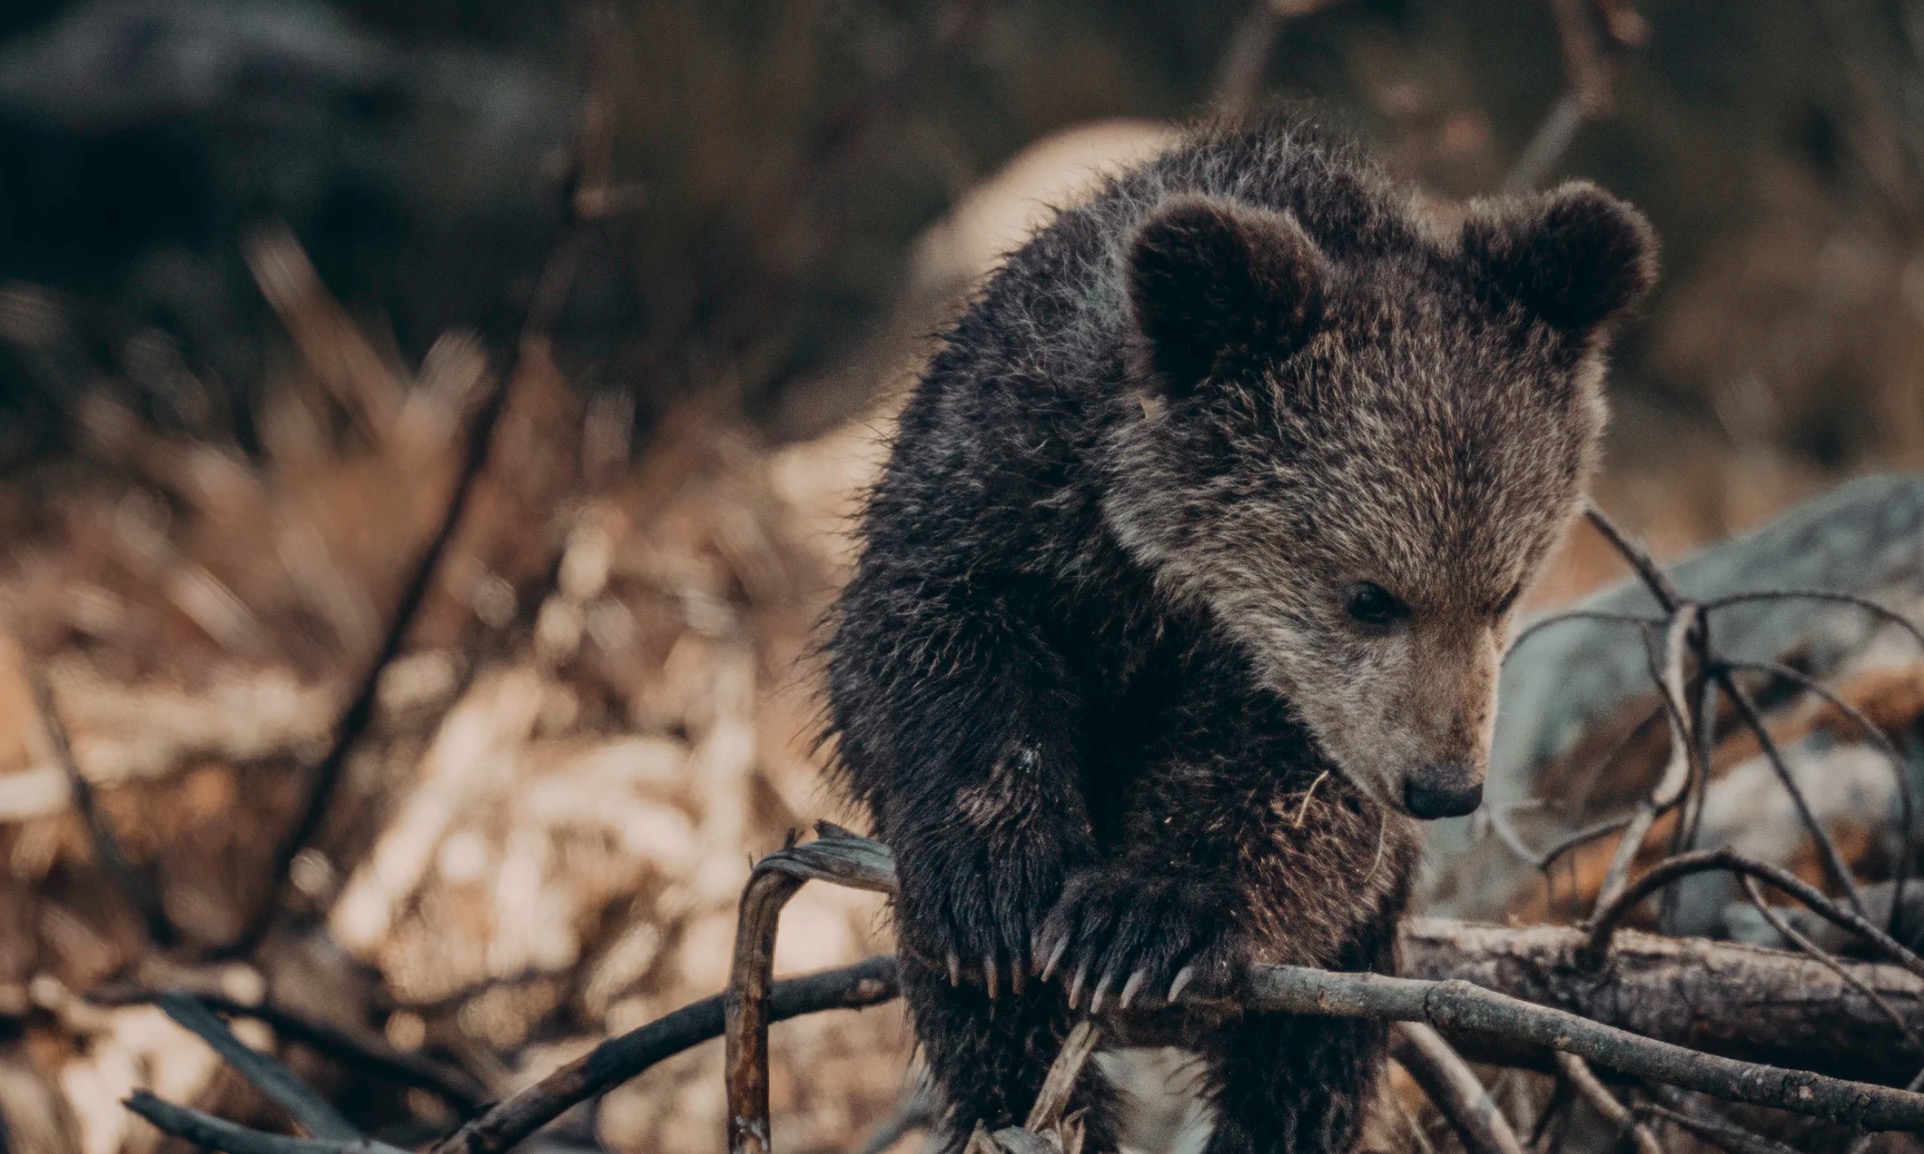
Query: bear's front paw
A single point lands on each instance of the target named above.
(977, 915)
(1117, 934)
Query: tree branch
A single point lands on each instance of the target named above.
(1455, 1088)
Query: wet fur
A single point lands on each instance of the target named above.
(1092, 677)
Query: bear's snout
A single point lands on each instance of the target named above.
(1448, 789)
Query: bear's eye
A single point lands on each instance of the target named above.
(1371, 605)
(1508, 601)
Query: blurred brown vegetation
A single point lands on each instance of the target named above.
(221, 460)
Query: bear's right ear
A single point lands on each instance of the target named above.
(1217, 286)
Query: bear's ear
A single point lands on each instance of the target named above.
(1577, 256)
(1216, 286)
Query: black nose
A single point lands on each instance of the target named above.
(1441, 794)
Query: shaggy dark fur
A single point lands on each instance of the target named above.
(1184, 592)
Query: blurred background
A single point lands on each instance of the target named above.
(427, 432)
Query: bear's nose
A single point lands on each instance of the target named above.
(1442, 791)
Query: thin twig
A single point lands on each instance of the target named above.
(1724, 1135)
(211, 1133)
(1833, 858)
(357, 1049)
(136, 888)
(1823, 957)
(1455, 1089)
(1648, 571)
(1667, 670)
(1877, 737)
(1553, 136)
(1690, 822)
(1613, 1112)
(1581, 838)
(309, 1110)
(1597, 615)
(1729, 861)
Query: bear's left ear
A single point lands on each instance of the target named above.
(1577, 256)
(1215, 286)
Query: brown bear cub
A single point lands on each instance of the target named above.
(1182, 600)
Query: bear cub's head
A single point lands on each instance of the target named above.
(1358, 454)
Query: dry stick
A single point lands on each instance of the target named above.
(544, 309)
(212, 1133)
(1051, 1104)
(1597, 948)
(1833, 858)
(325, 778)
(1824, 958)
(1690, 820)
(1906, 802)
(1455, 1088)
(1615, 1113)
(1647, 570)
(1553, 137)
(1541, 860)
(1883, 613)
(1667, 595)
(137, 889)
(312, 1112)
(363, 1051)
(837, 857)
(1667, 671)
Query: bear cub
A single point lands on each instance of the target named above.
(1182, 599)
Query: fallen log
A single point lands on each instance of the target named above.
(1735, 1001)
